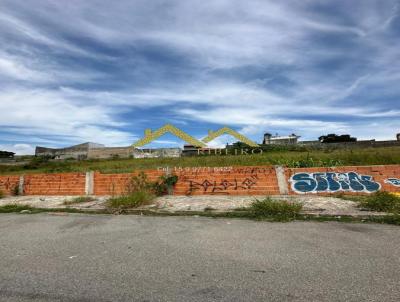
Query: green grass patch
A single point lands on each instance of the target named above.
(393, 219)
(381, 202)
(388, 219)
(79, 199)
(11, 208)
(131, 200)
(279, 210)
(15, 208)
(289, 158)
(140, 191)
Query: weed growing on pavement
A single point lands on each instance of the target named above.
(131, 200)
(16, 208)
(11, 208)
(381, 202)
(280, 210)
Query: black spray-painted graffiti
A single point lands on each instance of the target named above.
(7, 183)
(222, 187)
(393, 181)
(331, 182)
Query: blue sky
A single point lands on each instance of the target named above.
(103, 71)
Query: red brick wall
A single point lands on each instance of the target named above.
(55, 184)
(8, 184)
(260, 180)
(114, 184)
(227, 181)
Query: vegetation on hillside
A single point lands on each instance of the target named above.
(305, 158)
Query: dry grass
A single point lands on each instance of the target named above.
(131, 200)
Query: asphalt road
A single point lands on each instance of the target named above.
(131, 258)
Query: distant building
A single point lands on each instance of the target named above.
(270, 139)
(98, 151)
(189, 150)
(76, 152)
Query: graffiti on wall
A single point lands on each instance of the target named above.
(222, 187)
(331, 182)
(393, 181)
(7, 183)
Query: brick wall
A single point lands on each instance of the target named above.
(114, 184)
(229, 181)
(55, 184)
(260, 180)
(8, 184)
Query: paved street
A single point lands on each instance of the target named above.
(99, 258)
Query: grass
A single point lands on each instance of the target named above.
(11, 208)
(306, 158)
(246, 214)
(131, 200)
(379, 201)
(140, 191)
(79, 199)
(15, 208)
(280, 210)
(243, 213)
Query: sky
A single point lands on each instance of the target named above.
(104, 71)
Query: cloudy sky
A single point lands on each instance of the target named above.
(103, 71)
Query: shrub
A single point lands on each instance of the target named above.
(131, 200)
(138, 183)
(2, 194)
(277, 210)
(15, 190)
(164, 184)
(381, 202)
(140, 191)
(158, 188)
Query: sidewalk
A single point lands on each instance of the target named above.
(312, 205)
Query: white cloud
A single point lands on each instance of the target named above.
(19, 149)
(50, 113)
